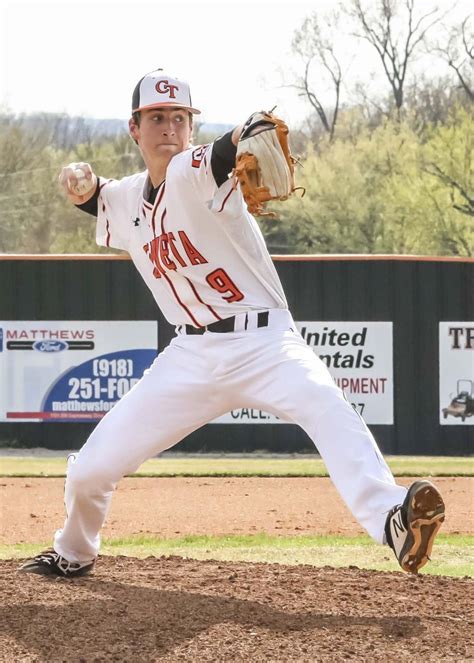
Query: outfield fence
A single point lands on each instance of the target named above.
(396, 331)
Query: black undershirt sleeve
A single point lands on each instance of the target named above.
(223, 158)
(91, 206)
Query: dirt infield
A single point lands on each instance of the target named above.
(171, 609)
(32, 509)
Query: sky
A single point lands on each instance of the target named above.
(84, 58)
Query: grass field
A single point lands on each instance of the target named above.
(452, 555)
(309, 466)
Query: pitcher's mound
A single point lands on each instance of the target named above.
(173, 609)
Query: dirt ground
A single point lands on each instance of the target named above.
(171, 609)
(32, 509)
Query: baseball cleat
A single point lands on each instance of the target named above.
(51, 563)
(411, 527)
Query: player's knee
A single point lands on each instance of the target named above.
(83, 480)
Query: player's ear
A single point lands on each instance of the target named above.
(191, 128)
(133, 129)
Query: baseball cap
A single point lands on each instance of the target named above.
(158, 89)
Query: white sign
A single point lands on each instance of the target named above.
(456, 373)
(69, 370)
(359, 356)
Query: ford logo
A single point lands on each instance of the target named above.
(50, 346)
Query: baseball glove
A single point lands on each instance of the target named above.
(264, 165)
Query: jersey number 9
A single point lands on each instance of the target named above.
(219, 280)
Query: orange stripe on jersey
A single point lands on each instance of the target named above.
(153, 222)
(161, 194)
(163, 222)
(167, 241)
(216, 315)
(157, 204)
(107, 228)
(196, 294)
(226, 199)
(171, 241)
(161, 271)
(180, 302)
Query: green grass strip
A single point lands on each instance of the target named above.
(309, 466)
(453, 555)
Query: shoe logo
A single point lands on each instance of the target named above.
(397, 522)
(136, 222)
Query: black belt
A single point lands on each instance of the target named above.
(227, 325)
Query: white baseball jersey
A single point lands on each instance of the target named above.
(198, 249)
(204, 259)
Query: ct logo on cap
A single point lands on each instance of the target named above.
(164, 87)
(161, 89)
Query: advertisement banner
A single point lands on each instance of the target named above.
(66, 371)
(248, 415)
(359, 356)
(456, 373)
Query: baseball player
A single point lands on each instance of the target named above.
(187, 228)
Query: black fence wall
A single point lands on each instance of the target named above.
(414, 293)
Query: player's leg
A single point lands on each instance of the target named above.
(290, 381)
(174, 397)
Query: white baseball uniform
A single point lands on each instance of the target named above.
(204, 259)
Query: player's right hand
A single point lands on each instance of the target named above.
(68, 179)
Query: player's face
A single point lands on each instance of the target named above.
(162, 133)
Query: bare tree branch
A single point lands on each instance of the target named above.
(458, 53)
(453, 240)
(314, 43)
(313, 99)
(469, 49)
(380, 31)
(447, 179)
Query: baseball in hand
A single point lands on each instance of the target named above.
(84, 185)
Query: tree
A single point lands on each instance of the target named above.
(448, 164)
(396, 46)
(314, 42)
(344, 209)
(430, 101)
(23, 166)
(385, 190)
(35, 215)
(458, 52)
(430, 196)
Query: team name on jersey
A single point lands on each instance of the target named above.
(169, 250)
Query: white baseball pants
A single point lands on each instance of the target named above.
(198, 378)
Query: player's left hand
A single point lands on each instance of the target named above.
(264, 165)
